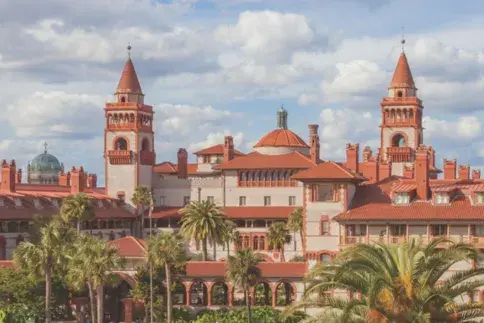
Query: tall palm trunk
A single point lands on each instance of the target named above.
(48, 292)
(294, 238)
(78, 224)
(247, 301)
(100, 304)
(228, 249)
(169, 306)
(283, 259)
(302, 241)
(204, 249)
(142, 226)
(92, 303)
(214, 251)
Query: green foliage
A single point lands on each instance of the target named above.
(77, 208)
(298, 258)
(278, 236)
(142, 198)
(239, 315)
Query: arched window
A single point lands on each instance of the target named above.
(398, 140)
(325, 258)
(145, 145)
(123, 99)
(121, 144)
(399, 94)
(255, 243)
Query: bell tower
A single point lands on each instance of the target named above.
(129, 153)
(401, 123)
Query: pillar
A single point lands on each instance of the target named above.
(128, 310)
(230, 291)
(274, 292)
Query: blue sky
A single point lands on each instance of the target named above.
(217, 67)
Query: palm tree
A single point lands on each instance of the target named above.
(77, 208)
(233, 235)
(242, 271)
(278, 236)
(41, 258)
(403, 283)
(204, 222)
(295, 223)
(142, 199)
(93, 264)
(167, 251)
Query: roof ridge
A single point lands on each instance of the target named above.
(137, 242)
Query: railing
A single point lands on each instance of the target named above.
(129, 126)
(120, 157)
(268, 183)
(399, 154)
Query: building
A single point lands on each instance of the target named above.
(44, 169)
(391, 195)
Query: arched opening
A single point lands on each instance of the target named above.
(262, 294)
(284, 294)
(220, 293)
(145, 145)
(238, 297)
(121, 144)
(399, 94)
(123, 99)
(3, 248)
(198, 294)
(113, 305)
(398, 140)
(179, 294)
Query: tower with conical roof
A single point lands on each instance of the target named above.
(401, 125)
(128, 137)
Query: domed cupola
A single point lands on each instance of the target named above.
(281, 140)
(44, 169)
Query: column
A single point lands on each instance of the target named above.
(187, 293)
(209, 294)
(274, 289)
(128, 310)
(230, 291)
(388, 233)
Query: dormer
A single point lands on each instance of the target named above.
(479, 198)
(401, 198)
(403, 194)
(443, 194)
(441, 198)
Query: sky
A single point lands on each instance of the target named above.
(212, 68)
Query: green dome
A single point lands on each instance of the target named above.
(45, 162)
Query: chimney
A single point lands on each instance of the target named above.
(78, 180)
(18, 178)
(65, 179)
(476, 174)
(370, 170)
(8, 176)
(366, 154)
(314, 151)
(408, 171)
(385, 170)
(352, 156)
(228, 148)
(92, 181)
(182, 163)
(464, 171)
(450, 167)
(422, 172)
(431, 156)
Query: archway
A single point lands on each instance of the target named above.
(113, 296)
(284, 294)
(262, 294)
(398, 140)
(220, 293)
(121, 144)
(179, 294)
(198, 294)
(145, 145)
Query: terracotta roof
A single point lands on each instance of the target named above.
(329, 171)
(6, 264)
(267, 269)
(281, 138)
(216, 150)
(434, 169)
(258, 212)
(372, 202)
(162, 212)
(170, 168)
(401, 188)
(129, 79)
(256, 160)
(130, 247)
(402, 77)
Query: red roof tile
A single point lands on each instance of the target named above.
(6, 264)
(402, 77)
(129, 79)
(400, 188)
(170, 168)
(130, 247)
(267, 269)
(163, 212)
(329, 171)
(256, 160)
(281, 138)
(216, 150)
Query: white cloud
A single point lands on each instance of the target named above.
(463, 129)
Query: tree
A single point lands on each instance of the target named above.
(167, 251)
(77, 208)
(142, 199)
(242, 271)
(204, 222)
(39, 260)
(278, 237)
(295, 223)
(93, 264)
(408, 282)
(142, 289)
(232, 234)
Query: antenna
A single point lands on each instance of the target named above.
(403, 40)
(129, 49)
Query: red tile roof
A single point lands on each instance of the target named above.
(267, 269)
(130, 247)
(6, 264)
(232, 212)
(129, 79)
(170, 168)
(329, 171)
(402, 77)
(216, 150)
(164, 212)
(256, 160)
(281, 138)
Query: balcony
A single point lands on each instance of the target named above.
(400, 154)
(129, 126)
(120, 157)
(347, 241)
(147, 157)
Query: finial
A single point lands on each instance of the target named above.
(403, 40)
(45, 147)
(129, 49)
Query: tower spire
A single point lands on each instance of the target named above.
(45, 147)
(282, 118)
(403, 40)
(129, 83)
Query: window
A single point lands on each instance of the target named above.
(442, 198)
(480, 198)
(206, 159)
(210, 199)
(121, 144)
(325, 226)
(162, 200)
(325, 193)
(398, 230)
(292, 200)
(439, 229)
(186, 200)
(267, 200)
(402, 198)
(242, 200)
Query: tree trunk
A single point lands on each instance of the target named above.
(169, 307)
(147, 311)
(228, 250)
(294, 238)
(247, 301)
(302, 241)
(283, 259)
(204, 249)
(78, 224)
(214, 251)
(100, 304)
(48, 292)
(142, 226)
(92, 302)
